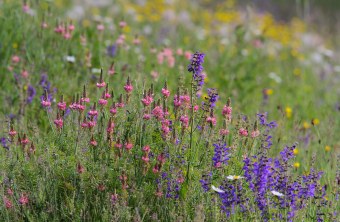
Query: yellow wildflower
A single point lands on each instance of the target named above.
(296, 164)
(315, 121)
(306, 125)
(289, 112)
(296, 151)
(327, 148)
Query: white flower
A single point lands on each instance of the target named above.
(275, 77)
(96, 70)
(71, 59)
(218, 190)
(277, 193)
(233, 177)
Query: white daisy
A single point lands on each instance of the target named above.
(70, 59)
(96, 70)
(233, 177)
(218, 190)
(277, 193)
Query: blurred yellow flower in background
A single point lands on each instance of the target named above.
(289, 112)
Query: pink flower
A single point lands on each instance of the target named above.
(122, 24)
(114, 198)
(45, 103)
(227, 110)
(24, 73)
(101, 84)
(61, 106)
(224, 132)
(147, 100)
(160, 58)
(218, 165)
(171, 61)
(128, 88)
(107, 95)
(212, 120)
(179, 51)
(91, 124)
(185, 120)
(102, 102)
(80, 168)
(136, 41)
(23, 199)
(15, 59)
(93, 112)
(93, 142)
(154, 74)
(8, 203)
(71, 27)
(177, 101)
(157, 112)
(118, 145)
(85, 100)
(146, 116)
(25, 8)
(128, 146)
(44, 25)
(100, 27)
(185, 99)
(243, 132)
(145, 158)
(113, 110)
(59, 123)
(67, 35)
(146, 149)
(165, 92)
(120, 105)
(255, 133)
(10, 191)
(196, 108)
(187, 55)
(12, 133)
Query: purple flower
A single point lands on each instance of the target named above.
(221, 155)
(213, 97)
(111, 50)
(3, 142)
(196, 68)
(30, 94)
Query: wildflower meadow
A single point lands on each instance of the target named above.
(166, 110)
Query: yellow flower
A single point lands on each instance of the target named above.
(296, 151)
(15, 45)
(288, 112)
(269, 92)
(306, 125)
(25, 87)
(86, 23)
(327, 148)
(315, 121)
(297, 72)
(296, 164)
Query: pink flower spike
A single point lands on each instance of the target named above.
(59, 123)
(23, 199)
(165, 92)
(128, 146)
(61, 106)
(146, 149)
(45, 103)
(102, 102)
(243, 132)
(128, 88)
(85, 100)
(71, 27)
(8, 203)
